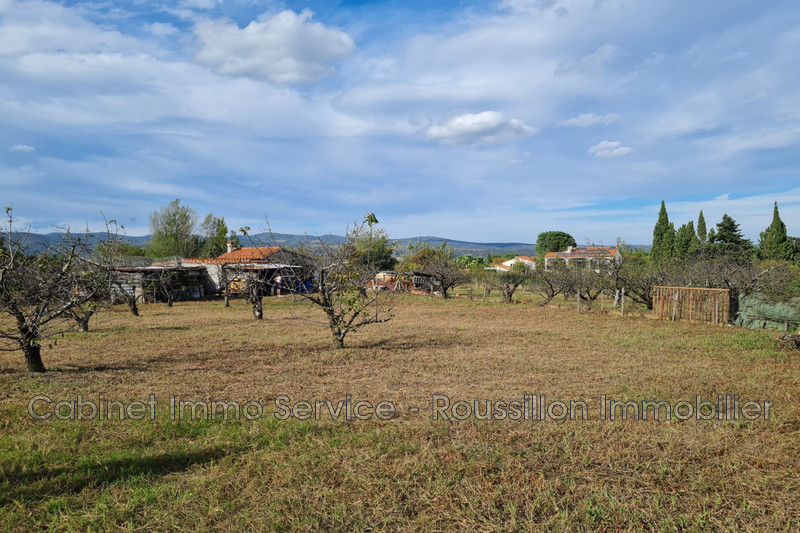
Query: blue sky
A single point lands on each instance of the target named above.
(486, 121)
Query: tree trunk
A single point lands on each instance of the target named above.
(133, 307)
(227, 299)
(508, 297)
(83, 321)
(258, 309)
(338, 334)
(33, 358)
(338, 341)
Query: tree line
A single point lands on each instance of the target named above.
(48, 293)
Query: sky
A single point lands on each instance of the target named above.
(479, 121)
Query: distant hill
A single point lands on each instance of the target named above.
(37, 242)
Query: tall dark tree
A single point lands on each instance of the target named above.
(702, 232)
(686, 242)
(553, 241)
(663, 235)
(774, 241)
(728, 238)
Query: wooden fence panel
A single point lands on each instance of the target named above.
(691, 303)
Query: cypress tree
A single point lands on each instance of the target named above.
(702, 233)
(686, 241)
(660, 234)
(774, 242)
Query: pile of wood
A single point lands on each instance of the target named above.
(790, 341)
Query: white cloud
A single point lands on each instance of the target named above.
(593, 63)
(585, 120)
(724, 147)
(609, 149)
(160, 29)
(285, 48)
(487, 127)
(22, 148)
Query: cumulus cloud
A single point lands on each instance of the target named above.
(609, 149)
(285, 48)
(585, 120)
(487, 127)
(22, 148)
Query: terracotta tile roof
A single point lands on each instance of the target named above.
(526, 258)
(586, 251)
(250, 254)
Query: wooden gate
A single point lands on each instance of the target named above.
(690, 303)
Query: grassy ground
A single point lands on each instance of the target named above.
(408, 473)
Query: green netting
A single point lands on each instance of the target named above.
(757, 313)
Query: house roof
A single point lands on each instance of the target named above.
(585, 251)
(526, 258)
(249, 254)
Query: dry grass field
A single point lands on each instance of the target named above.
(409, 473)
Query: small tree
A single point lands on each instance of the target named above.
(774, 241)
(41, 292)
(549, 282)
(639, 273)
(508, 281)
(437, 262)
(344, 274)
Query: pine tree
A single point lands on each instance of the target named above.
(774, 242)
(729, 238)
(702, 233)
(661, 232)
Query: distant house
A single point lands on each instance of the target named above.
(238, 264)
(585, 256)
(505, 266)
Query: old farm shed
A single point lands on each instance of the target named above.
(260, 264)
(160, 282)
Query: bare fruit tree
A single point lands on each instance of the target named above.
(341, 275)
(41, 292)
(508, 281)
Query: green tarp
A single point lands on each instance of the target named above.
(757, 313)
